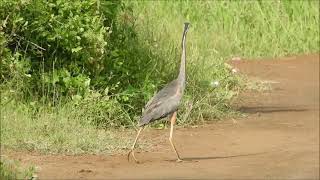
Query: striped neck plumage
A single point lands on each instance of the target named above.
(182, 72)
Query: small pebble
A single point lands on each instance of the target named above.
(214, 83)
(234, 70)
(236, 59)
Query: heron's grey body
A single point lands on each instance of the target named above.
(166, 102)
(162, 104)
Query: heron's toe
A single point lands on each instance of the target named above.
(128, 156)
(179, 160)
(135, 159)
(132, 154)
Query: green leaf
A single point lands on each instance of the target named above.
(77, 49)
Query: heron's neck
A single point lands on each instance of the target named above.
(182, 72)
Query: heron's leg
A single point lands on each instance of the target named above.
(173, 121)
(133, 146)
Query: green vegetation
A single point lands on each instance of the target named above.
(56, 131)
(10, 169)
(74, 72)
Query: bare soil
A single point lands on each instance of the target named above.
(279, 137)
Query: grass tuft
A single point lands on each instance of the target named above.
(11, 169)
(56, 131)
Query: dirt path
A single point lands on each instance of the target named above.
(279, 139)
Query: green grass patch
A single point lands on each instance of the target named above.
(56, 131)
(10, 169)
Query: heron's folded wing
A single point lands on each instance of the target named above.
(165, 93)
(152, 106)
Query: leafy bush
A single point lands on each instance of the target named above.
(53, 51)
(60, 45)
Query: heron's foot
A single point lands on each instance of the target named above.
(179, 160)
(131, 152)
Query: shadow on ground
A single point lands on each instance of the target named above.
(271, 109)
(217, 157)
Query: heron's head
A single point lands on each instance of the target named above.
(186, 26)
(185, 30)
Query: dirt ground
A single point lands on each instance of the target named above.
(278, 139)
